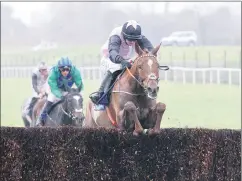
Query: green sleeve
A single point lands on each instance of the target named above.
(78, 79)
(52, 81)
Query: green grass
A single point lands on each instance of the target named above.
(207, 106)
(89, 55)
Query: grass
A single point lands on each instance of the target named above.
(90, 55)
(206, 106)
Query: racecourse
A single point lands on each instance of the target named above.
(202, 106)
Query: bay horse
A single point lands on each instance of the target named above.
(64, 112)
(133, 105)
(28, 120)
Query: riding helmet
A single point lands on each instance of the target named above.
(42, 65)
(131, 30)
(64, 62)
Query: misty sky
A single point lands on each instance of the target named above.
(24, 10)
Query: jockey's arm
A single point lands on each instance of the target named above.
(52, 81)
(34, 83)
(145, 43)
(78, 79)
(113, 48)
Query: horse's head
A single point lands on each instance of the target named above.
(74, 106)
(146, 70)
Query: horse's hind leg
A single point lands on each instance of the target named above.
(157, 114)
(129, 119)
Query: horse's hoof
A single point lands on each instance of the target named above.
(145, 131)
(137, 133)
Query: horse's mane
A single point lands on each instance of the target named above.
(144, 54)
(146, 51)
(54, 105)
(74, 90)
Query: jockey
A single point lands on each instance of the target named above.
(61, 79)
(39, 79)
(118, 52)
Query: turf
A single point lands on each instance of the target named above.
(208, 106)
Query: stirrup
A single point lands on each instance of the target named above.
(96, 98)
(39, 124)
(99, 107)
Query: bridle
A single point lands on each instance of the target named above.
(69, 113)
(151, 76)
(72, 110)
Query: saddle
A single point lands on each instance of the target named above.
(105, 97)
(54, 105)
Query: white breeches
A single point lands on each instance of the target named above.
(53, 98)
(107, 64)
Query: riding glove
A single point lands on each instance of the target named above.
(125, 64)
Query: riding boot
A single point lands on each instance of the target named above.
(42, 118)
(103, 88)
(31, 106)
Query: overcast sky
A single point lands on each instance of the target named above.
(23, 10)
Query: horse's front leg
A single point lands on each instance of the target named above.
(129, 119)
(157, 114)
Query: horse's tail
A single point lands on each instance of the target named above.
(24, 115)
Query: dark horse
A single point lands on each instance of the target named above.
(133, 105)
(64, 112)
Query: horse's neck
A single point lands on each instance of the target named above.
(58, 113)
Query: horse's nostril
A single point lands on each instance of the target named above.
(154, 90)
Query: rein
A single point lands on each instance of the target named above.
(70, 114)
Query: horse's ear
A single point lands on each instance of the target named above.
(146, 50)
(155, 50)
(138, 50)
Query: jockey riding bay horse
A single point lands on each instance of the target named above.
(133, 105)
(28, 120)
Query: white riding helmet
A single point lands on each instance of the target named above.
(42, 66)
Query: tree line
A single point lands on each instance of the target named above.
(87, 23)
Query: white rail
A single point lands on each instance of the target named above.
(214, 75)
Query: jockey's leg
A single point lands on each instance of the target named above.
(31, 105)
(103, 88)
(43, 115)
(32, 102)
